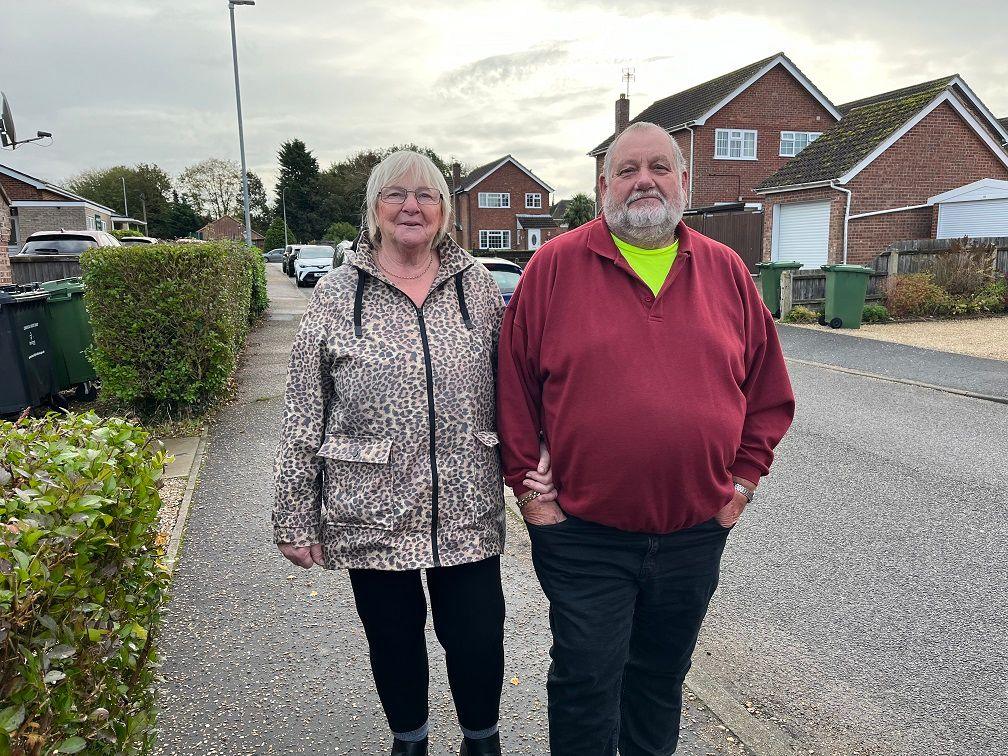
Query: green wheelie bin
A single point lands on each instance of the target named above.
(846, 286)
(769, 282)
(70, 334)
(27, 378)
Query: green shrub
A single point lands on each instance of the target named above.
(340, 231)
(123, 233)
(916, 294)
(801, 314)
(168, 319)
(875, 313)
(275, 235)
(81, 587)
(988, 300)
(259, 299)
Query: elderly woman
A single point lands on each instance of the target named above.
(388, 460)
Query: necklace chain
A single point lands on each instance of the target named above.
(430, 260)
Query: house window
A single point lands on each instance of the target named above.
(533, 201)
(495, 199)
(793, 142)
(735, 144)
(495, 239)
(91, 222)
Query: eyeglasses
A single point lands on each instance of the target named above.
(396, 195)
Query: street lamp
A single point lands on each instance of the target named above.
(283, 202)
(241, 131)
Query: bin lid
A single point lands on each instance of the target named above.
(63, 289)
(780, 265)
(25, 297)
(848, 269)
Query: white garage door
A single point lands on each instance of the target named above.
(802, 233)
(977, 218)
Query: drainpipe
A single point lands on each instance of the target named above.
(846, 216)
(690, 198)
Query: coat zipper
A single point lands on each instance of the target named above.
(429, 373)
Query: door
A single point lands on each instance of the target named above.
(801, 233)
(534, 237)
(974, 219)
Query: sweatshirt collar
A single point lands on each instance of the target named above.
(600, 239)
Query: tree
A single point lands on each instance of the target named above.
(299, 178)
(180, 220)
(580, 210)
(275, 235)
(341, 230)
(147, 187)
(212, 187)
(259, 209)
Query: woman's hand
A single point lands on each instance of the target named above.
(303, 556)
(541, 479)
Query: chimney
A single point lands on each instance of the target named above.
(456, 176)
(622, 114)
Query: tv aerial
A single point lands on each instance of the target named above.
(8, 136)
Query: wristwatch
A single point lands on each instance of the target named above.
(745, 492)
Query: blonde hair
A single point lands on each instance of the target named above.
(406, 163)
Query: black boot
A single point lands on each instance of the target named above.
(409, 748)
(483, 747)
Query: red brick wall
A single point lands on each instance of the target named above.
(507, 178)
(940, 153)
(775, 103)
(839, 200)
(5, 224)
(18, 190)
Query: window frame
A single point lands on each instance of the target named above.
(504, 198)
(810, 136)
(741, 138)
(503, 234)
(538, 200)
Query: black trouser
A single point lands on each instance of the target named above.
(468, 607)
(625, 611)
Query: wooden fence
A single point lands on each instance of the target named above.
(808, 287)
(742, 231)
(41, 268)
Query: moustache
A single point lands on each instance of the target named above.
(634, 196)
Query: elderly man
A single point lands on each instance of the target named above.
(640, 351)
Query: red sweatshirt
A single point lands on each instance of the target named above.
(649, 405)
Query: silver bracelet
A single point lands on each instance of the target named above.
(527, 498)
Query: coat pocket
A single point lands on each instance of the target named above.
(360, 482)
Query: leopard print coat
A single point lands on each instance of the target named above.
(388, 455)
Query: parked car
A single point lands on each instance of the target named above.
(133, 241)
(312, 262)
(505, 273)
(274, 255)
(290, 252)
(66, 242)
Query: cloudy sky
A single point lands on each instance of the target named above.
(128, 81)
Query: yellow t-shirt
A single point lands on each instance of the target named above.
(652, 265)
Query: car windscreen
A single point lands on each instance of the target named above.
(62, 245)
(506, 280)
(315, 252)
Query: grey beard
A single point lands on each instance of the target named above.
(650, 225)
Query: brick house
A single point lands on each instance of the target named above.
(37, 205)
(501, 206)
(886, 172)
(5, 218)
(228, 228)
(736, 130)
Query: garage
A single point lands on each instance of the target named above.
(975, 210)
(801, 232)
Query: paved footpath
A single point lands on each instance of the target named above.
(263, 657)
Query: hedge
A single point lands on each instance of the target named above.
(170, 319)
(81, 587)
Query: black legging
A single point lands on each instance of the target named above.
(468, 607)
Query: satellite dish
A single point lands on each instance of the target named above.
(7, 134)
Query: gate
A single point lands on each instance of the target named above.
(742, 231)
